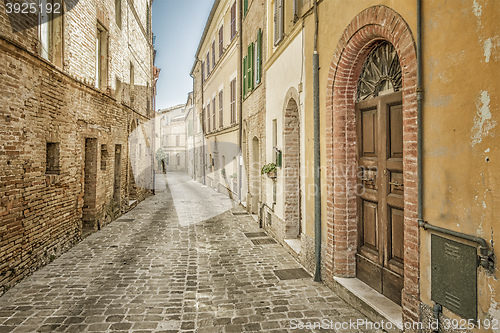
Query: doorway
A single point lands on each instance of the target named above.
(90, 186)
(256, 177)
(291, 170)
(117, 179)
(380, 201)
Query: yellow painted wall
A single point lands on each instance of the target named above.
(461, 42)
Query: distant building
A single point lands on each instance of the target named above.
(173, 137)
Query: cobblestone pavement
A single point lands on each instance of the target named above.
(179, 262)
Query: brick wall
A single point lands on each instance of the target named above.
(369, 27)
(41, 212)
(253, 105)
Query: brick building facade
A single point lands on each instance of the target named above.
(73, 90)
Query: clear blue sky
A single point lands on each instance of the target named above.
(177, 25)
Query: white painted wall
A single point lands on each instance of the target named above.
(286, 72)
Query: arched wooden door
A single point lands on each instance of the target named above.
(379, 121)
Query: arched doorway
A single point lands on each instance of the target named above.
(291, 170)
(379, 142)
(366, 31)
(255, 176)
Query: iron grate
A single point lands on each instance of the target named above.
(255, 234)
(263, 241)
(291, 274)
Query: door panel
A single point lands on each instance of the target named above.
(380, 255)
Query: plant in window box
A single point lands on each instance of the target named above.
(270, 169)
(223, 172)
(234, 177)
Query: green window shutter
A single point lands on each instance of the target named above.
(250, 67)
(252, 70)
(245, 8)
(244, 76)
(259, 56)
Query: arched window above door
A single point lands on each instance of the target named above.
(381, 73)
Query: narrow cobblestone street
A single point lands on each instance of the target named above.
(179, 262)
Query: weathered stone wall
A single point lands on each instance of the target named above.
(41, 212)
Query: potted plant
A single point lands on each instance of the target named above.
(234, 177)
(223, 172)
(269, 169)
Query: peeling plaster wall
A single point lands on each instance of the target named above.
(461, 143)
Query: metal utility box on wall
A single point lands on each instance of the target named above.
(454, 276)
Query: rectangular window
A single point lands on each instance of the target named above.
(101, 57)
(203, 120)
(213, 114)
(50, 33)
(221, 41)
(203, 72)
(177, 140)
(221, 112)
(213, 54)
(233, 20)
(208, 117)
(52, 158)
(118, 13)
(104, 156)
(233, 101)
(245, 72)
(132, 84)
(208, 64)
(258, 61)
(278, 21)
(250, 67)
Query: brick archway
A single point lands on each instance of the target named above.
(371, 26)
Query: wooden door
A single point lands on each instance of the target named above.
(380, 254)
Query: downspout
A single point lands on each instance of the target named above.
(240, 101)
(419, 113)
(317, 150)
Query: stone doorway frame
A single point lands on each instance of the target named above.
(371, 26)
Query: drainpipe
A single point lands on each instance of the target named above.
(317, 151)
(240, 98)
(419, 113)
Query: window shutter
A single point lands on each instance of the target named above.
(295, 10)
(281, 19)
(245, 8)
(259, 56)
(244, 76)
(221, 41)
(202, 72)
(250, 66)
(276, 22)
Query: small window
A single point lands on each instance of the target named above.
(221, 112)
(208, 64)
(213, 113)
(278, 21)
(118, 13)
(233, 101)
(104, 156)
(208, 117)
(52, 158)
(101, 75)
(221, 41)
(177, 140)
(233, 20)
(132, 83)
(213, 54)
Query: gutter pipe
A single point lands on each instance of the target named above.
(317, 151)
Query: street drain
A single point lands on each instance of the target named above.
(263, 241)
(255, 234)
(291, 274)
